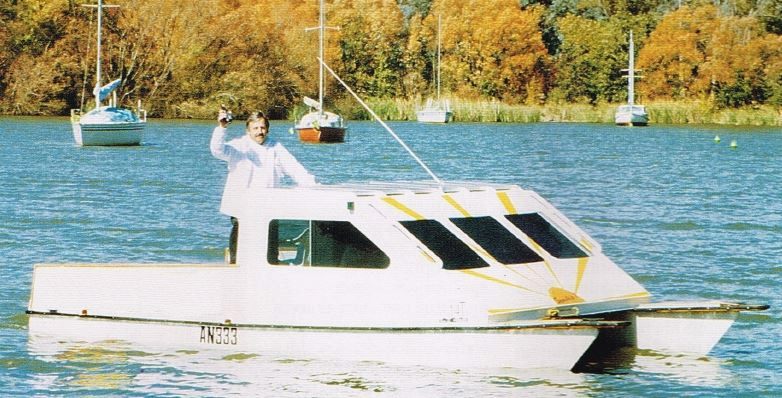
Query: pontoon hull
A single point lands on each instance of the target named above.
(454, 348)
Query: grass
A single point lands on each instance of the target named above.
(668, 112)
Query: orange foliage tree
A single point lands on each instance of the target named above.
(497, 54)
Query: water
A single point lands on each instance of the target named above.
(688, 217)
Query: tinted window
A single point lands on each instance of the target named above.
(546, 235)
(454, 253)
(497, 240)
(322, 244)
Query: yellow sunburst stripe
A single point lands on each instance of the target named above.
(538, 249)
(404, 209)
(505, 199)
(457, 206)
(586, 244)
(582, 263)
(500, 281)
(495, 311)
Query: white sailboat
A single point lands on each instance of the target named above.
(631, 114)
(108, 125)
(319, 125)
(436, 111)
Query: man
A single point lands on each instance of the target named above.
(255, 162)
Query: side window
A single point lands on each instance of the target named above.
(497, 240)
(454, 253)
(322, 244)
(546, 235)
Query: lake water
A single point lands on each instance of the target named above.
(686, 216)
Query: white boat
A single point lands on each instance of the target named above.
(454, 275)
(631, 114)
(319, 125)
(436, 110)
(107, 125)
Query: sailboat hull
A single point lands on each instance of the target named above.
(321, 134)
(434, 116)
(107, 126)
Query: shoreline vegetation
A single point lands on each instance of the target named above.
(481, 111)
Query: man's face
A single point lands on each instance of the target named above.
(257, 131)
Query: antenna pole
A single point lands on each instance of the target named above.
(396, 137)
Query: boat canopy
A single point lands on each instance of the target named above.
(103, 92)
(108, 114)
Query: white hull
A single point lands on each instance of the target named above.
(631, 119)
(434, 116)
(108, 134)
(519, 348)
(691, 328)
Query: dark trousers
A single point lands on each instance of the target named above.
(232, 239)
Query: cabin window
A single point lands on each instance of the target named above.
(322, 244)
(546, 235)
(454, 253)
(497, 240)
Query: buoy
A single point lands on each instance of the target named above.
(716, 138)
(733, 144)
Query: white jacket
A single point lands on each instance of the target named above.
(253, 167)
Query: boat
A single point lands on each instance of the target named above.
(631, 114)
(107, 125)
(451, 274)
(318, 125)
(446, 274)
(436, 110)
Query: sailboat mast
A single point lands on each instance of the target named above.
(438, 57)
(97, 65)
(631, 73)
(322, 30)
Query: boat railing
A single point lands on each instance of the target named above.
(75, 115)
(142, 113)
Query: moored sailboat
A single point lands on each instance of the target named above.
(107, 125)
(436, 110)
(631, 114)
(319, 125)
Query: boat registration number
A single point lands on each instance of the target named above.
(223, 335)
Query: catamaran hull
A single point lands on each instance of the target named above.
(434, 116)
(108, 134)
(321, 134)
(454, 348)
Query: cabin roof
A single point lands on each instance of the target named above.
(386, 188)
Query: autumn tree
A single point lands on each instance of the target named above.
(371, 42)
(498, 54)
(674, 52)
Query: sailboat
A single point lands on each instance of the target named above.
(319, 125)
(107, 125)
(631, 114)
(436, 111)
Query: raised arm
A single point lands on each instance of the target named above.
(293, 168)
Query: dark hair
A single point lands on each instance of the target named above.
(257, 116)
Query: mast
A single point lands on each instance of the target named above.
(98, 84)
(439, 17)
(631, 74)
(97, 64)
(322, 31)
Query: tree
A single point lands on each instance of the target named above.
(589, 65)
